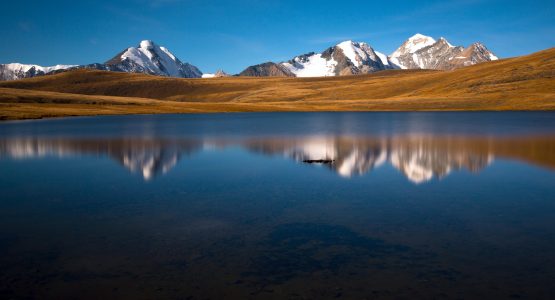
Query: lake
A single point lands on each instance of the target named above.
(279, 206)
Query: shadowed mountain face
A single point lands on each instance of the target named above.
(268, 69)
(418, 158)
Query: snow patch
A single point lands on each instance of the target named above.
(147, 45)
(383, 58)
(315, 66)
(413, 44)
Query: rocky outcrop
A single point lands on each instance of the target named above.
(268, 69)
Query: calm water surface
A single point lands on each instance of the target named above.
(279, 206)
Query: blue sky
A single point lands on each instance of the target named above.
(234, 34)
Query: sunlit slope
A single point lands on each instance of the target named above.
(523, 83)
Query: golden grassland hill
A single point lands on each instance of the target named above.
(522, 83)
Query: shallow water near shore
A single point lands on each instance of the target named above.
(279, 206)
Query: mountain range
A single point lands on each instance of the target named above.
(350, 58)
(345, 58)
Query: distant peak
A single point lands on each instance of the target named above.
(221, 73)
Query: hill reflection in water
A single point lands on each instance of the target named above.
(419, 158)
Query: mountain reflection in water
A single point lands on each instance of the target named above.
(418, 157)
(149, 157)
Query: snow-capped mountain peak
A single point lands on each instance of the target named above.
(357, 53)
(410, 46)
(148, 57)
(346, 58)
(423, 52)
(479, 47)
(413, 44)
(151, 58)
(146, 44)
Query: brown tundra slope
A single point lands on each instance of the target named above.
(522, 83)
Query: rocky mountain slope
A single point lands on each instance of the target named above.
(147, 58)
(268, 69)
(346, 58)
(219, 74)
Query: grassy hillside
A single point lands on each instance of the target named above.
(523, 83)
